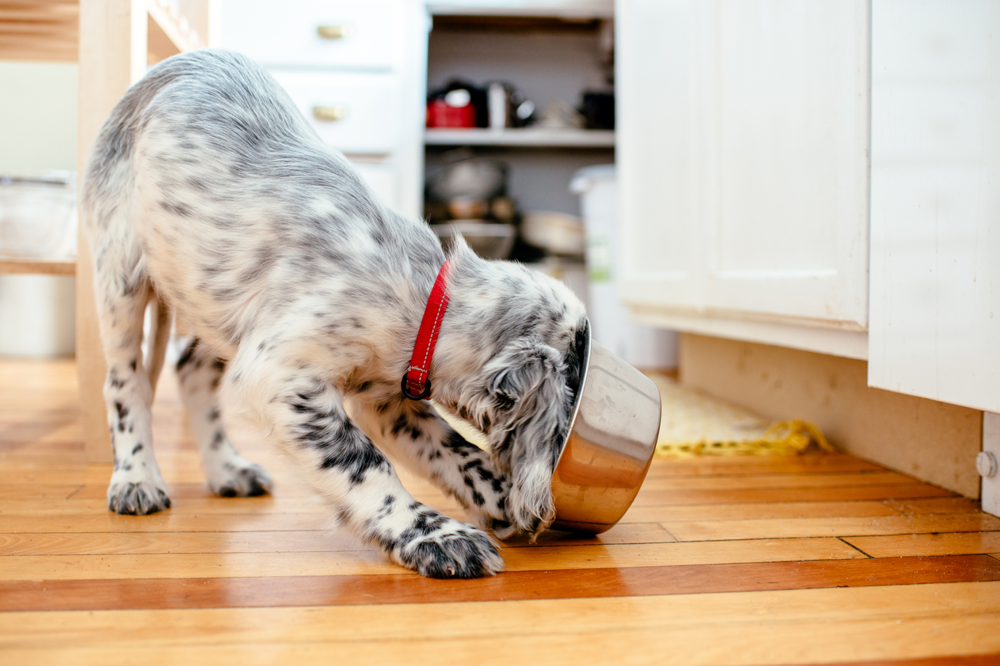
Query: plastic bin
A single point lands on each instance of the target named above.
(644, 347)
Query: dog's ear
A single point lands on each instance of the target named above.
(526, 395)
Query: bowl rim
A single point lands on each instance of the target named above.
(585, 363)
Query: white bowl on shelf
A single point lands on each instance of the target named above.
(490, 240)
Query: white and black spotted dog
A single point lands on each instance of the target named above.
(208, 193)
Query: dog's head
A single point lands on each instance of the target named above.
(533, 332)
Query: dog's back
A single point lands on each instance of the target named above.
(209, 184)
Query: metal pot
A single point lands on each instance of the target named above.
(610, 444)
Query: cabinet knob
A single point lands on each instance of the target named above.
(329, 114)
(335, 31)
(986, 464)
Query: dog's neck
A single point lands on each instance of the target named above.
(491, 304)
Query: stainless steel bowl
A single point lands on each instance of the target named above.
(611, 441)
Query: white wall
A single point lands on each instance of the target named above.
(37, 134)
(37, 117)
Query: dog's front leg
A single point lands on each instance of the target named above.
(306, 415)
(415, 435)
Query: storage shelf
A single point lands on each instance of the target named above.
(558, 8)
(530, 137)
(21, 266)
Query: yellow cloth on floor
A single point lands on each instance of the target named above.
(693, 423)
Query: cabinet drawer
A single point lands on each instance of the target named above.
(316, 33)
(354, 113)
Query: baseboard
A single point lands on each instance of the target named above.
(932, 441)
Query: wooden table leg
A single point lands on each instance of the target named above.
(112, 57)
(91, 367)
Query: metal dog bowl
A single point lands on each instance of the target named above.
(611, 440)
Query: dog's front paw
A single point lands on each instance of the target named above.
(243, 479)
(137, 498)
(458, 552)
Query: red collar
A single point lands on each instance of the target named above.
(416, 383)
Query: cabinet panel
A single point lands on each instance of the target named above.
(358, 34)
(657, 151)
(790, 234)
(354, 113)
(743, 147)
(936, 201)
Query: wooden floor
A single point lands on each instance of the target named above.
(817, 559)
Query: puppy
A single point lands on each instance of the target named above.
(209, 194)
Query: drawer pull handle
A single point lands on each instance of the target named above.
(335, 31)
(329, 114)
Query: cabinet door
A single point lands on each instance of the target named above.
(936, 200)
(742, 150)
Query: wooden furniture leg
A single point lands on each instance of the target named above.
(112, 57)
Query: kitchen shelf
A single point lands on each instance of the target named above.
(528, 138)
(571, 9)
(20, 266)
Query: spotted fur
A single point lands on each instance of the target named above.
(208, 193)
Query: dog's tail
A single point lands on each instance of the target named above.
(160, 324)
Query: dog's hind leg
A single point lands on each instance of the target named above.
(305, 414)
(122, 292)
(415, 435)
(228, 474)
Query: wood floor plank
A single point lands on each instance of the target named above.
(751, 627)
(82, 515)
(209, 504)
(164, 593)
(755, 510)
(905, 545)
(37, 491)
(334, 563)
(797, 480)
(948, 660)
(826, 527)
(471, 619)
(36, 474)
(750, 645)
(935, 505)
(849, 493)
(176, 543)
(737, 465)
(166, 521)
(245, 541)
(188, 478)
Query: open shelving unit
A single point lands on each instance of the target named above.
(113, 42)
(37, 266)
(49, 30)
(550, 52)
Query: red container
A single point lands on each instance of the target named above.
(442, 114)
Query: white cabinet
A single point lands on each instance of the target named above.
(356, 70)
(935, 214)
(742, 149)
